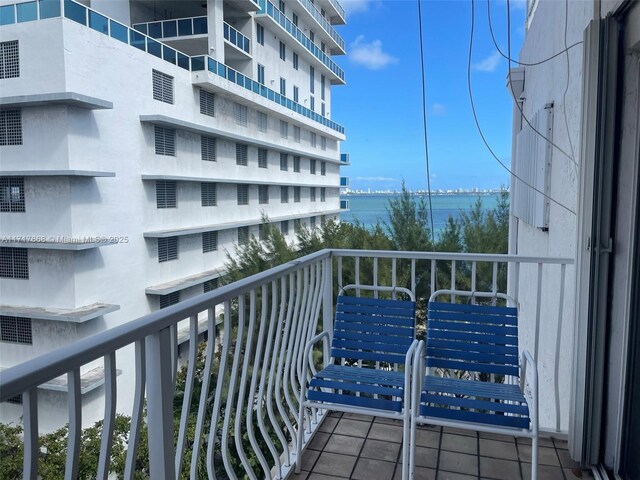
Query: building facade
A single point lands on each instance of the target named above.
(142, 140)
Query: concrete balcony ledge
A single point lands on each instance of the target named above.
(75, 315)
(56, 173)
(89, 380)
(229, 225)
(42, 243)
(180, 178)
(71, 99)
(184, 282)
(177, 123)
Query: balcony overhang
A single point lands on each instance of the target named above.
(175, 232)
(70, 99)
(56, 173)
(184, 282)
(66, 243)
(172, 122)
(244, 5)
(76, 315)
(179, 178)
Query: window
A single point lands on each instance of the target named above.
(283, 87)
(312, 194)
(283, 51)
(243, 235)
(262, 231)
(260, 34)
(323, 194)
(323, 47)
(294, 19)
(323, 109)
(284, 227)
(281, 6)
(312, 103)
(312, 166)
(311, 79)
(207, 103)
(165, 140)
(9, 59)
(296, 94)
(312, 36)
(14, 262)
(296, 164)
(15, 330)
(169, 299)
(263, 194)
(312, 222)
(241, 114)
(323, 220)
(162, 87)
(284, 162)
(167, 249)
(210, 285)
(295, 61)
(284, 194)
(166, 194)
(261, 74)
(12, 194)
(296, 134)
(296, 194)
(284, 129)
(322, 84)
(323, 168)
(323, 143)
(208, 148)
(262, 121)
(241, 154)
(10, 127)
(297, 226)
(313, 139)
(208, 194)
(243, 193)
(209, 242)
(262, 158)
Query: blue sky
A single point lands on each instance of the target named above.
(381, 105)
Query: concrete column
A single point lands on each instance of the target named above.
(215, 19)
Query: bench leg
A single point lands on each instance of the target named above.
(300, 434)
(534, 457)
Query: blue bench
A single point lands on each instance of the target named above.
(371, 351)
(479, 342)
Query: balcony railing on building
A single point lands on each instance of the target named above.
(236, 38)
(174, 28)
(312, 9)
(243, 420)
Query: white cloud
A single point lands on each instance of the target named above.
(438, 109)
(355, 6)
(377, 179)
(370, 54)
(489, 64)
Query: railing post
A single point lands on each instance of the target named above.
(327, 305)
(160, 405)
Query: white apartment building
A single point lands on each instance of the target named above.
(142, 140)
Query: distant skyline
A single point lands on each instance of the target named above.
(381, 105)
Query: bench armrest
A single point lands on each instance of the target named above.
(529, 385)
(306, 358)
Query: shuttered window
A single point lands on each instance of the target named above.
(323, 168)
(312, 222)
(284, 194)
(262, 122)
(210, 285)
(9, 59)
(166, 194)
(208, 148)
(312, 139)
(262, 158)
(207, 103)
(323, 143)
(16, 330)
(263, 194)
(243, 235)
(169, 299)
(284, 227)
(10, 127)
(296, 194)
(312, 166)
(312, 194)
(284, 162)
(284, 129)
(323, 194)
(297, 225)
(167, 249)
(162, 87)
(208, 194)
(296, 164)
(209, 242)
(296, 134)
(241, 114)
(243, 194)
(165, 141)
(12, 194)
(14, 262)
(241, 154)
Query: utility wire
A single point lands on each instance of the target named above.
(525, 64)
(475, 117)
(424, 124)
(515, 100)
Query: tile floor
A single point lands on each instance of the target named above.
(363, 448)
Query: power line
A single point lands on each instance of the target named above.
(424, 124)
(524, 117)
(475, 117)
(524, 64)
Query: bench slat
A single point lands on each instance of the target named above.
(472, 367)
(372, 356)
(366, 402)
(472, 347)
(476, 404)
(479, 317)
(371, 346)
(475, 417)
(473, 337)
(467, 307)
(357, 387)
(511, 360)
(400, 321)
(343, 299)
(473, 327)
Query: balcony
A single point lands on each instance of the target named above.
(340, 18)
(248, 387)
(344, 158)
(237, 39)
(269, 10)
(344, 181)
(174, 28)
(315, 14)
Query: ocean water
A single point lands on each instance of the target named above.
(369, 209)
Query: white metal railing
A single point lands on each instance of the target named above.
(244, 420)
